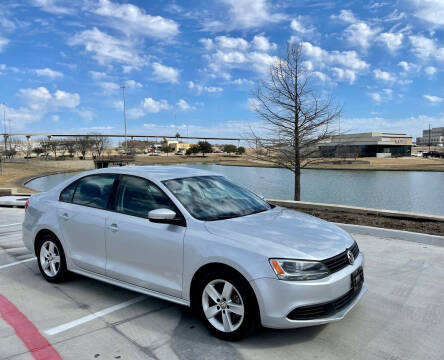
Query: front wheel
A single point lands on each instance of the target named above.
(227, 305)
(51, 259)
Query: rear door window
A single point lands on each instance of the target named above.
(94, 190)
(68, 192)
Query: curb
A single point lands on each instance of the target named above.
(393, 234)
(356, 210)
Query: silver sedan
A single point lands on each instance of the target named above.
(194, 238)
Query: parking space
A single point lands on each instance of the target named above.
(400, 317)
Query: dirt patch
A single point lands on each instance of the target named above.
(420, 226)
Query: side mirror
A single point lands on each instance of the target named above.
(164, 216)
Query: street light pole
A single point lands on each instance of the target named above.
(124, 116)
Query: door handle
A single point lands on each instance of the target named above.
(65, 216)
(113, 227)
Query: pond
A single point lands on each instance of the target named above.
(414, 191)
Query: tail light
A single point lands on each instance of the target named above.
(26, 204)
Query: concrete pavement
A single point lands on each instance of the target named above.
(400, 317)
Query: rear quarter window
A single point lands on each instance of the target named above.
(68, 192)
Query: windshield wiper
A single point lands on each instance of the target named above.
(223, 217)
(256, 211)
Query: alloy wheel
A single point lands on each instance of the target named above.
(223, 305)
(50, 258)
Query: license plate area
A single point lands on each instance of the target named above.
(357, 279)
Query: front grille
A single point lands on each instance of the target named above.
(323, 310)
(340, 261)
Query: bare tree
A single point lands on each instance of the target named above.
(296, 118)
(84, 144)
(100, 143)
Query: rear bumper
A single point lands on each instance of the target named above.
(278, 298)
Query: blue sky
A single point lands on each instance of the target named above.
(190, 66)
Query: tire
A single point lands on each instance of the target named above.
(51, 259)
(229, 315)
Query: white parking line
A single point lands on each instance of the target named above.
(16, 263)
(70, 325)
(14, 224)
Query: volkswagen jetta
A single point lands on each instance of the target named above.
(195, 238)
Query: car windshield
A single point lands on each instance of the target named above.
(215, 198)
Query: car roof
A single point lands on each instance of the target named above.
(159, 173)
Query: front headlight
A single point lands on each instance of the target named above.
(298, 269)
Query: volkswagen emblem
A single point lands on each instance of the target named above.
(350, 257)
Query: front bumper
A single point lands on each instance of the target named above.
(277, 298)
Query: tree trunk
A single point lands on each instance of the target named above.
(297, 184)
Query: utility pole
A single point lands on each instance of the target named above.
(5, 130)
(124, 116)
(429, 138)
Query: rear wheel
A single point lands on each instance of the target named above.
(51, 259)
(227, 305)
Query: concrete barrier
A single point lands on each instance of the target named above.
(355, 209)
(7, 191)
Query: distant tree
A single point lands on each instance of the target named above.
(177, 135)
(100, 143)
(38, 150)
(240, 150)
(166, 148)
(53, 146)
(28, 149)
(229, 148)
(193, 150)
(84, 145)
(205, 147)
(70, 146)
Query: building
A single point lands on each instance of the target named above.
(177, 145)
(434, 138)
(372, 144)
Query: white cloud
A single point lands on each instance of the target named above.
(391, 40)
(148, 105)
(133, 20)
(183, 105)
(384, 95)
(242, 81)
(261, 43)
(132, 84)
(345, 16)
(165, 73)
(3, 43)
(344, 74)
(40, 101)
(107, 49)
(98, 75)
(433, 99)
(109, 86)
(431, 11)
(375, 96)
(226, 53)
(53, 7)
(55, 118)
(245, 14)
(253, 104)
(349, 59)
(360, 34)
(426, 48)
(227, 42)
(430, 70)
(321, 76)
(383, 75)
(201, 88)
(406, 66)
(47, 72)
(299, 26)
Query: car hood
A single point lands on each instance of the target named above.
(284, 233)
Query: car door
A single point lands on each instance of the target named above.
(82, 212)
(139, 251)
